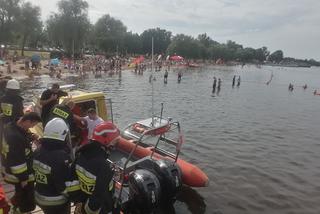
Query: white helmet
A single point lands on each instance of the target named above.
(13, 84)
(56, 129)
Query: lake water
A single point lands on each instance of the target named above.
(259, 144)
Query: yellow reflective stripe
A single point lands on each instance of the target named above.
(41, 167)
(5, 148)
(86, 179)
(85, 175)
(27, 151)
(60, 113)
(111, 185)
(13, 179)
(6, 109)
(90, 211)
(72, 186)
(50, 200)
(19, 168)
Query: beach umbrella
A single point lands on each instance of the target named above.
(35, 58)
(176, 58)
(54, 61)
(138, 60)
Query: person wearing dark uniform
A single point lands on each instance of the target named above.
(52, 170)
(64, 111)
(16, 159)
(94, 172)
(11, 103)
(49, 99)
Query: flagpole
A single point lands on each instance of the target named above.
(152, 67)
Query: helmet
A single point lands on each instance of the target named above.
(56, 129)
(105, 133)
(13, 84)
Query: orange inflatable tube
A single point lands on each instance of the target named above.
(191, 174)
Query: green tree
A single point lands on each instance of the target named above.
(109, 34)
(132, 43)
(161, 39)
(9, 13)
(276, 56)
(185, 46)
(29, 22)
(69, 27)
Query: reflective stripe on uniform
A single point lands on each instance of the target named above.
(60, 113)
(106, 131)
(13, 179)
(90, 211)
(50, 200)
(72, 186)
(86, 179)
(19, 168)
(43, 168)
(87, 174)
(6, 109)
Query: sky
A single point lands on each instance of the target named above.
(289, 25)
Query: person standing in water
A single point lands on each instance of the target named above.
(166, 76)
(239, 80)
(290, 88)
(219, 85)
(214, 85)
(179, 76)
(233, 81)
(305, 87)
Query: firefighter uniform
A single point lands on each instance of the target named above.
(52, 170)
(95, 177)
(11, 107)
(16, 158)
(64, 112)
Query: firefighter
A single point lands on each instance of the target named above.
(49, 99)
(52, 170)
(94, 171)
(11, 102)
(16, 158)
(64, 112)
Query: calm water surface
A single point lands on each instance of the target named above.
(259, 144)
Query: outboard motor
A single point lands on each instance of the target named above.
(170, 178)
(144, 189)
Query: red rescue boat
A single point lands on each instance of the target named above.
(168, 132)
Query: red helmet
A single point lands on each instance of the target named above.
(105, 133)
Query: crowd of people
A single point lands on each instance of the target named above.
(58, 171)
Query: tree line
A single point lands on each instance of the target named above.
(70, 30)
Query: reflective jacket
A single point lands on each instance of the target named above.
(63, 111)
(11, 106)
(16, 154)
(53, 174)
(95, 177)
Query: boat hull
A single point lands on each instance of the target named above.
(191, 174)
